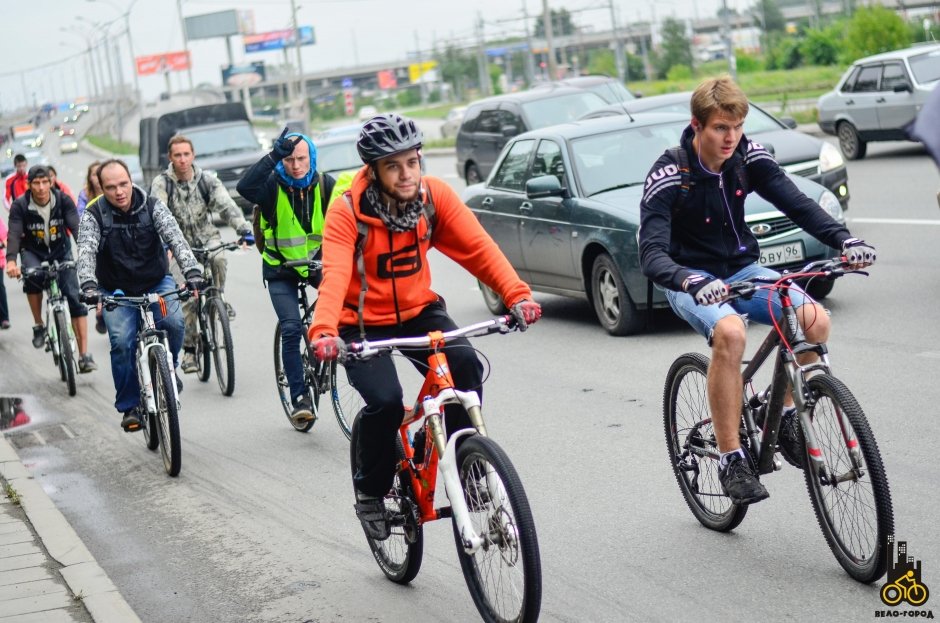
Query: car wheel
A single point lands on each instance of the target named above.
(853, 147)
(612, 304)
(494, 302)
(472, 174)
(819, 288)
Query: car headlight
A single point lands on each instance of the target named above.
(829, 203)
(829, 158)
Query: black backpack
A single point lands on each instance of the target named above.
(202, 184)
(107, 217)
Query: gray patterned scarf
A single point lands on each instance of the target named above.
(408, 213)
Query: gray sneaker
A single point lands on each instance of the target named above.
(740, 482)
(86, 364)
(39, 336)
(189, 364)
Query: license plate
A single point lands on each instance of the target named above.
(782, 254)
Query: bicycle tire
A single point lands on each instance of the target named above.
(223, 352)
(687, 422)
(167, 416)
(203, 354)
(504, 575)
(345, 398)
(399, 557)
(66, 356)
(860, 547)
(283, 387)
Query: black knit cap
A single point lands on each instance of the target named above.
(37, 170)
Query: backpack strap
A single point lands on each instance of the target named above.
(430, 214)
(170, 189)
(681, 157)
(203, 185)
(107, 217)
(740, 172)
(362, 230)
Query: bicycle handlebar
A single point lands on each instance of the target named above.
(224, 246)
(111, 302)
(311, 264)
(366, 349)
(47, 268)
(828, 270)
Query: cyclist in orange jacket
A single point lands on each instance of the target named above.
(377, 284)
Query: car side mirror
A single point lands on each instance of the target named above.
(790, 122)
(904, 86)
(509, 130)
(544, 186)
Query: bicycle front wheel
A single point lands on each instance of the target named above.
(66, 356)
(693, 450)
(850, 496)
(346, 399)
(167, 417)
(203, 352)
(505, 574)
(223, 352)
(400, 555)
(283, 387)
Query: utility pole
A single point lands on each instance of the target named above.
(530, 54)
(189, 64)
(729, 47)
(619, 56)
(483, 74)
(120, 92)
(547, 27)
(420, 61)
(300, 64)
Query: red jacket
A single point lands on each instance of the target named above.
(15, 185)
(400, 289)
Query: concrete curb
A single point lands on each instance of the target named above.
(80, 570)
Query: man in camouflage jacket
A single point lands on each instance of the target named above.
(192, 196)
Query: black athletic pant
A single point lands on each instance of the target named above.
(377, 381)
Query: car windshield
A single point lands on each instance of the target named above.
(222, 140)
(757, 120)
(621, 157)
(926, 67)
(554, 110)
(612, 92)
(338, 156)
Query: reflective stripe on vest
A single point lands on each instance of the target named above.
(288, 241)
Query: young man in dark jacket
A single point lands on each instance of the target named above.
(40, 223)
(692, 246)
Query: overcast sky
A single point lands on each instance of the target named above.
(369, 31)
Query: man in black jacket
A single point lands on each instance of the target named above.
(694, 239)
(40, 223)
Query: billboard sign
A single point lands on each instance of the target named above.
(386, 79)
(278, 39)
(247, 75)
(162, 63)
(212, 25)
(417, 70)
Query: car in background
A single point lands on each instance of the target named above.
(367, 112)
(6, 165)
(341, 130)
(66, 130)
(35, 156)
(133, 165)
(609, 89)
(563, 204)
(68, 145)
(878, 97)
(489, 123)
(338, 154)
(30, 140)
(798, 153)
(452, 121)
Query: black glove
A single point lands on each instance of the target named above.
(194, 281)
(90, 295)
(704, 289)
(284, 146)
(858, 253)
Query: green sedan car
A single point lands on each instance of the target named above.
(563, 203)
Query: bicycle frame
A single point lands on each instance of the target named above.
(440, 452)
(55, 301)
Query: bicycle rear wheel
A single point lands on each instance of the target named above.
(690, 441)
(66, 356)
(203, 354)
(283, 387)
(853, 505)
(346, 399)
(505, 574)
(400, 555)
(223, 351)
(167, 417)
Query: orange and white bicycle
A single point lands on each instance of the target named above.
(493, 526)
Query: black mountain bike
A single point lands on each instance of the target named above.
(840, 460)
(215, 332)
(319, 378)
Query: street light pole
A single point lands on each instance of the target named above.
(547, 27)
(300, 63)
(126, 14)
(189, 62)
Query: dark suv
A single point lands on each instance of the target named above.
(490, 123)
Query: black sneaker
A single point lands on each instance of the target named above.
(131, 422)
(740, 482)
(99, 324)
(303, 410)
(790, 438)
(230, 310)
(372, 515)
(39, 336)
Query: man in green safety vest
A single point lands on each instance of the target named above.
(293, 198)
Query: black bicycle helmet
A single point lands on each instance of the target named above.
(387, 135)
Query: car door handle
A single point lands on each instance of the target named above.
(525, 207)
(487, 202)
(881, 100)
(849, 102)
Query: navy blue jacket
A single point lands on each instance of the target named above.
(708, 231)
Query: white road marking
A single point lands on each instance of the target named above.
(896, 221)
